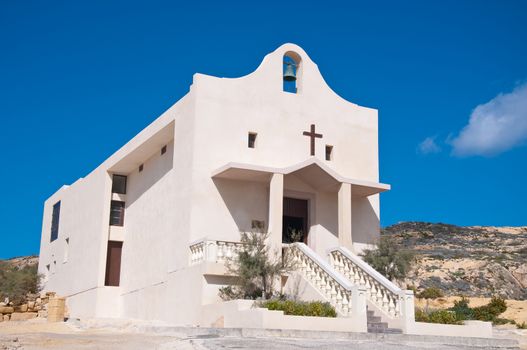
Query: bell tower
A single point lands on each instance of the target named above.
(292, 72)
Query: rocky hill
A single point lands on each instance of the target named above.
(21, 261)
(469, 261)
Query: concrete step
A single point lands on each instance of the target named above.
(373, 319)
(385, 330)
(380, 325)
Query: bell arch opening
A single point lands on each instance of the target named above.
(292, 72)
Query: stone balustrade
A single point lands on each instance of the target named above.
(207, 250)
(383, 293)
(339, 292)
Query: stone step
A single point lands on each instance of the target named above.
(385, 330)
(382, 325)
(373, 319)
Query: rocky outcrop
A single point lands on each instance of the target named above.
(469, 261)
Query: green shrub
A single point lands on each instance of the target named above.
(462, 310)
(301, 308)
(498, 321)
(389, 258)
(444, 317)
(437, 316)
(431, 293)
(421, 316)
(491, 311)
(16, 282)
(522, 325)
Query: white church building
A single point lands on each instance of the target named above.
(147, 233)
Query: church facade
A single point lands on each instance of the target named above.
(146, 234)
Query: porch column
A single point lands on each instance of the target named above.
(276, 203)
(344, 216)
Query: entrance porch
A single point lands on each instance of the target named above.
(311, 203)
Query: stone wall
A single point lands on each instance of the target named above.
(36, 305)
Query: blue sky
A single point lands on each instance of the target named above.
(79, 79)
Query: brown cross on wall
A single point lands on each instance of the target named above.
(312, 134)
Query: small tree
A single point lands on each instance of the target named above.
(389, 259)
(255, 268)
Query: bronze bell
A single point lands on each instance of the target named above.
(289, 74)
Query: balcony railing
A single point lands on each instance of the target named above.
(215, 251)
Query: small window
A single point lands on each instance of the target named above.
(66, 249)
(54, 267)
(163, 150)
(47, 272)
(329, 152)
(55, 221)
(117, 213)
(119, 184)
(257, 224)
(140, 167)
(252, 140)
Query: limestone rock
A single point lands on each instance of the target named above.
(521, 275)
(6, 318)
(6, 310)
(23, 316)
(21, 308)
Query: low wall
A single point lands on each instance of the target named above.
(243, 314)
(471, 329)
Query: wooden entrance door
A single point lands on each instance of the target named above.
(113, 264)
(295, 221)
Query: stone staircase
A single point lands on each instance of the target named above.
(355, 289)
(375, 325)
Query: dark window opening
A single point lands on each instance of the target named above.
(119, 184)
(329, 152)
(251, 142)
(163, 150)
(113, 264)
(117, 213)
(55, 221)
(140, 167)
(258, 225)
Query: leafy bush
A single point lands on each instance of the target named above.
(15, 282)
(436, 316)
(431, 293)
(491, 311)
(301, 308)
(462, 310)
(390, 259)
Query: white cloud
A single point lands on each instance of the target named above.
(428, 146)
(494, 127)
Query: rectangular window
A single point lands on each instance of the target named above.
(119, 184)
(329, 152)
(66, 249)
(117, 213)
(251, 142)
(55, 221)
(113, 264)
(163, 150)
